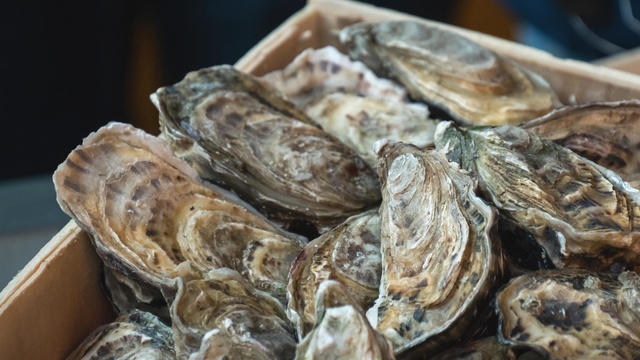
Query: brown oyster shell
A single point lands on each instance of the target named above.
(148, 214)
(132, 335)
(342, 330)
(582, 214)
(239, 133)
(251, 319)
(439, 262)
(472, 83)
(573, 313)
(349, 254)
(607, 133)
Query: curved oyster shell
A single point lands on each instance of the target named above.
(250, 319)
(491, 349)
(349, 102)
(342, 331)
(350, 254)
(126, 294)
(573, 313)
(439, 263)
(607, 133)
(582, 214)
(147, 213)
(230, 127)
(132, 335)
(472, 83)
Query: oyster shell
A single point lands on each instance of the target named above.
(126, 294)
(439, 263)
(349, 102)
(342, 331)
(607, 133)
(132, 335)
(472, 83)
(350, 254)
(240, 134)
(573, 313)
(491, 349)
(582, 214)
(249, 319)
(147, 214)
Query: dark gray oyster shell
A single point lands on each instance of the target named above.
(349, 254)
(240, 133)
(151, 219)
(132, 335)
(249, 319)
(491, 349)
(126, 294)
(472, 83)
(349, 102)
(573, 314)
(342, 330)
(607, 133)
(439, 262)
(582, 214)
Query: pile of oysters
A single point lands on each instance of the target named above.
(322, 212)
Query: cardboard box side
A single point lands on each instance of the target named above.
(55, 301)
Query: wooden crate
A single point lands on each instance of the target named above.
(56, 300)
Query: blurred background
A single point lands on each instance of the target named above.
(69, 67)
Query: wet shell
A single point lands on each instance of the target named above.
(491, 349)
(470, 82)
(350, 254)
(573, 314)
(582, 214)
(148, 214)
(607, 133)
(342, 331)
(251, 320)
(439, 263)
(240, 134)
(132, 335)
(349, 102)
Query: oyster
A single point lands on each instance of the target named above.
(350, 254)
(248, 319)
(147, 214)
(581, 214)
(342, 331)
(349, 102)
(472, 83)
(439, 263)
(132, 335)
(573, 313)
(491, 349)
(237, 133)
(126, 294)
(607, 133)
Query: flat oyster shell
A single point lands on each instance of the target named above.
(230, 128)
(573, 313)
(349, 102)
(607, 133)
(349, 254)
(342, 331)
(472, 83)
(491, 349)
(132, 335)
(147, 214)
(250, 319)
(439, 263)
(582, 214)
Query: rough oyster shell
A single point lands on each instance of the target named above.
(132, 335)
(491, 349)
(439, 263)
(573, 313)
(239, 133)
(349, 102)
(582, 214)
(607, 133)
(350, 254)
(342, 331)
(147, 213)
(472, 83)
(251, 320)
